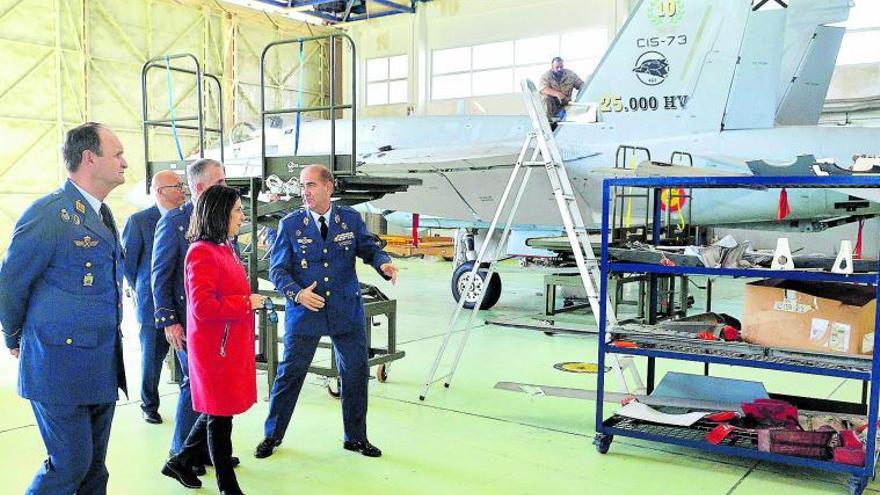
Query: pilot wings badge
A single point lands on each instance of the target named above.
(85, 243)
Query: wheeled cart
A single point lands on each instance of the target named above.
(743, 444)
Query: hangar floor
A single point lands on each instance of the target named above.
(468, 439)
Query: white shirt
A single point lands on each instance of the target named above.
(162, 211)
(94, 202)
(316, 216)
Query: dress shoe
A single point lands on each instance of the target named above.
(230, 492)
(266, 447)
(362, 446)
(182, 473)
(152, 417)
(199, 470)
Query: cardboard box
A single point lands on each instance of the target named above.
(825, 317)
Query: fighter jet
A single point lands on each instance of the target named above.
(722, 82)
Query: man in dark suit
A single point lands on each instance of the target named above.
(168, 189)
(61, 310)
(313, 266)
(169, 253)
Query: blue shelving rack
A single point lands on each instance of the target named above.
(695, 438)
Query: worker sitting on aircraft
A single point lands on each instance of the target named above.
(556, 86)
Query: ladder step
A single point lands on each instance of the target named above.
(540, 150)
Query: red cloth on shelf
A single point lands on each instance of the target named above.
(783, 209)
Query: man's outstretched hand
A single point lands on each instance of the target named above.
(390, 271)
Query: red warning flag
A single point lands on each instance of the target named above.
(857, 252)
(783, 210)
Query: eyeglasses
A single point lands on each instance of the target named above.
(179, 187)
(270, 310)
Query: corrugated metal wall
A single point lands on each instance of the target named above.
(69, 61)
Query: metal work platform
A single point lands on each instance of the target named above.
(185, 64)
(278, 182)
(377, 307)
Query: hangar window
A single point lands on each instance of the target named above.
(582, 50)
(451, 73)
(387, 80)
(493, 71)
(862, 35)
(497, 68)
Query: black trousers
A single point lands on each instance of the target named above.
(216, 431)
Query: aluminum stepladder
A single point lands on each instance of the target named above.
(540, 145)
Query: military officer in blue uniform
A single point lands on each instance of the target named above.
(169, 253)
(169, 192)
(313, 266)
(61, 309)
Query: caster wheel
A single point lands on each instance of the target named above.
(334, 392)
(602, 442)
(382, 373)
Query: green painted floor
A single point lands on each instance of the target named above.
(467, 439)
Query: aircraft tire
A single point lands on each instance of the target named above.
(460, 279)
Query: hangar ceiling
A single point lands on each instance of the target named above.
(70, 61)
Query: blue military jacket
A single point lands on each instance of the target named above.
(300, 257)
(138, 241)
(60, 302)
(169, 253)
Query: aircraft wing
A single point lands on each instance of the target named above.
(442, 170)
(442, 158)
(807, 165)
(653, 169)
(463, 182)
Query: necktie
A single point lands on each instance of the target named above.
(323, 227)
(107, 218)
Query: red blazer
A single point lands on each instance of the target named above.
(219, 331)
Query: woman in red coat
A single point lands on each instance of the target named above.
(220, 337)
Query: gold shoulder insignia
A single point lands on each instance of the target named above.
(80, 207)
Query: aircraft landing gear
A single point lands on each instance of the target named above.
(461, 285)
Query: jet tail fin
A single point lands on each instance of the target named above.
(805, 94)
(680, 67)
(670, 67)
(752, 100)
